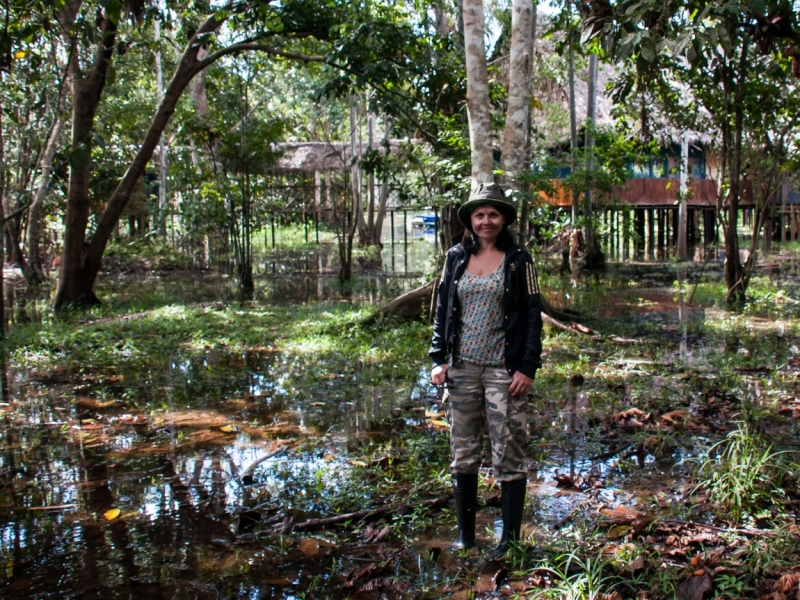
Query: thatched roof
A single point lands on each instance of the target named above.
(308, 157)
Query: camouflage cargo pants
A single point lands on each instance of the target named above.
(471, 390)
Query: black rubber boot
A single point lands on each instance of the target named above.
(513, 503)
(466, 496)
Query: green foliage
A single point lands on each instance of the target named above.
(144, 254)
(742, 474)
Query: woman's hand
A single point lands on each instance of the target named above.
(438, 374)
(520, 385)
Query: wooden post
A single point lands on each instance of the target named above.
(639, 238)
(626, 232)
(651, 233)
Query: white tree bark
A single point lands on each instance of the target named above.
(591, 103)
(162, 150)
(683, 211)
(573, 119)
(478, 107)
(516, 129)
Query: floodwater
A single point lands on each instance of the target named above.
(152, 480)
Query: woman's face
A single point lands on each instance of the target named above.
(487, 223)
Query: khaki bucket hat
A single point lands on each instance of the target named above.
(487, 194)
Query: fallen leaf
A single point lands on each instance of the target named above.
(631, 413)
(111, 514)
(441, 424)
(621, 515)
(430, 414)
(135, 420)
(694, 588)
(384, 583)
(95, 404)
(676, 418)
(567, 481)
(637, 564)
(309, 547)
(788, 583)
(228, 428)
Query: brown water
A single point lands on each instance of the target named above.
(191, 448)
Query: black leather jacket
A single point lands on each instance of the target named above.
(522, 314)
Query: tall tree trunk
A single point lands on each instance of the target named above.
(734, 272)
(519, 92)
(371, 183)
(2, 226)
(683, 209)
(594, 255)
(162, 150)
(573, 118)
(355, 179)
(478, 107)
(35, 209)
(75, 284)
(383, 200)
(82, 258)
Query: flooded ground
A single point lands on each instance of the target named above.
(196, 452)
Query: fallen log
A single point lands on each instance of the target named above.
(313, 524)
(411, 305)
(571, 327)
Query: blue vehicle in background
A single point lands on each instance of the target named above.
(425, 221)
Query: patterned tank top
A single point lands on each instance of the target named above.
(482, 337)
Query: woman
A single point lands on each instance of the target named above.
(486, 349)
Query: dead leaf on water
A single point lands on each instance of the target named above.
(229, 428)
(135, 420)
(620, 514)
(111, 514)
(95, 404)
(309, 547)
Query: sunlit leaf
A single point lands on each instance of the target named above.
(228, 428)
(439, 423)
(20, 54)
(111, 514)
(429, 414)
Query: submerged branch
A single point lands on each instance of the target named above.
(312, 524)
